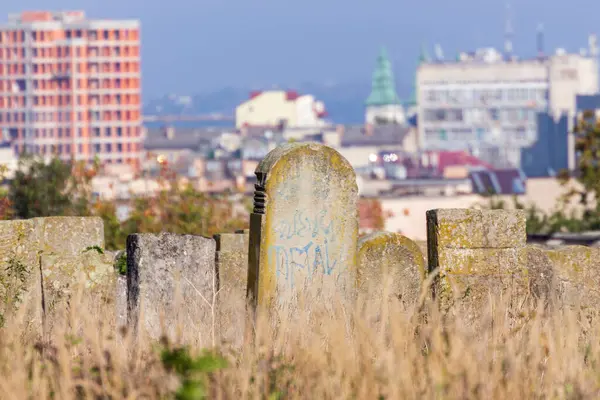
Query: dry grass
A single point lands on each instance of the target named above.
(391, 353)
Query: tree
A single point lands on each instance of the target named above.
(5, 205)
(41, 189)
(586, 173)
(587, 170)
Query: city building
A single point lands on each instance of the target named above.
(71, 86)
(553, 150)
(488, 102)
(275, 108)
(383, 105)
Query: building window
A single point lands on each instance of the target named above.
(97, 148)
(119, 147)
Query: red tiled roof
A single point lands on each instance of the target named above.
(291, 95)
(255, 93)
(458, 158)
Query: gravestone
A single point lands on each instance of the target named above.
(479, 253)
(392, 260)
(47, 252)
(303, 230)
(172, 287)
(232, 265)
(576, 278)
(19, 273)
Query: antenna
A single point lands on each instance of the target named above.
(508, 34)
(593, 45)
(439, 54)
(540, 40)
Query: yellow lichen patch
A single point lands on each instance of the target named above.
(470, 229)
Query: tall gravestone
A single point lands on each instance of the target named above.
(303, 230)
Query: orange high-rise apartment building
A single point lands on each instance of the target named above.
(71, 86)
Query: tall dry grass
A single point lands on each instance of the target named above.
(391, 352)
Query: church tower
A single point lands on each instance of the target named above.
(383, 104)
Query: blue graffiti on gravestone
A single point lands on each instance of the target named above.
(304, 247)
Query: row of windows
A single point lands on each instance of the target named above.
(460, 96)
(118, 131)
(67, 116)
(96, 148)
(18, 53)
(107, 34)
(507, 134)
(480, 115)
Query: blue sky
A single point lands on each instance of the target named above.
(191, 46)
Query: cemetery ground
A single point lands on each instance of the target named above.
(403, 353)
(330, 316)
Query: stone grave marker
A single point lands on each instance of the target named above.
(478, 253)
(232, 265)
(392, 259)
(172, 287)
(303, 230)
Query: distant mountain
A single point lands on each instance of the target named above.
(344, 102)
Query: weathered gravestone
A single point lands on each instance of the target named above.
(49, 254)
(576, 278)
(19, 273)
(479, 253)
(390, 263)
(232, 265)
(303, 231)
(172, 286)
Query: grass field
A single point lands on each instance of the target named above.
(389, 353)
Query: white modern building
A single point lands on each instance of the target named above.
(485, 101)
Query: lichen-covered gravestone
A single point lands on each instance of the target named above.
(45, 259)
(303, 231)
(479, 253)
(390, 263)
(577, 278)
(232, 264)
(19, 272)
(172, 286)
(72, 261)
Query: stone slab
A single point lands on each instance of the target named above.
(69, 235)
(67, 278)
(232, 264)
(576, 276)
(172, 286)
(471, 229)
(19, 273)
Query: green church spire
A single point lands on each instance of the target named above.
(383, 88)
(423, 57)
